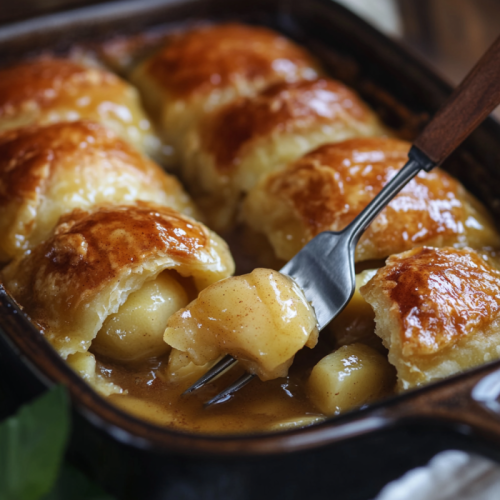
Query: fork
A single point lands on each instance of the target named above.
(324, 268)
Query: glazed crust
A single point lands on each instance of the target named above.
(50, 83)
(86, 271)
(437, 311)
(280, 108)
(213, 57)
(46, 91)
(328, 188)
(202, 69)
(235, 146)
(46, 171)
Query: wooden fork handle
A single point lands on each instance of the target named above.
(470, 103)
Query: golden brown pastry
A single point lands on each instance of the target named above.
(46, 171)
(44, 91)
(437, 310)
(237, 145)
(262, 319)
(328, 187)
(203, 68)
(97, 261)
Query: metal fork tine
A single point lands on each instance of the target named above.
(225, 363)
(226, 393)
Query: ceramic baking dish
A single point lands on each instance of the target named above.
(350, 456)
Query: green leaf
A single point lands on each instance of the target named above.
(32, 444)
(73, 484)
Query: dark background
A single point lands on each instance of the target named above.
(451, 34)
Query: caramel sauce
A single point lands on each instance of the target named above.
(258, 407)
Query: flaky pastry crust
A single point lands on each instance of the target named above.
(327, 188)
(205, 67)
(437, 310)
(46, 171)
(235, 146)
(227, 55)
(44, 91)
(95, 260)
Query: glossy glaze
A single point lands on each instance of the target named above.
(53, 83)
(281, 108)
(155, 397)
(437, 310)
(238, 144)
(50, 90)
(441, 296)
(328, 187)
(200, 70)
(211, 57)
(46, 171)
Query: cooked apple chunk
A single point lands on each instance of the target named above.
(261, 318)
(356, 322)
(135, 332)
(114, 275)
(437, 310)
(349, 377)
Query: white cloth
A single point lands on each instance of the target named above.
(383, 14)
(450, 475)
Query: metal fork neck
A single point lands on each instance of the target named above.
(417, 161)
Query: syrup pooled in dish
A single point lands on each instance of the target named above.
(262, 319)
(235, 146)
(203, 68)
(327, 188)
(437, 310)
(44, 91)
(47, 171)
(74, 282)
